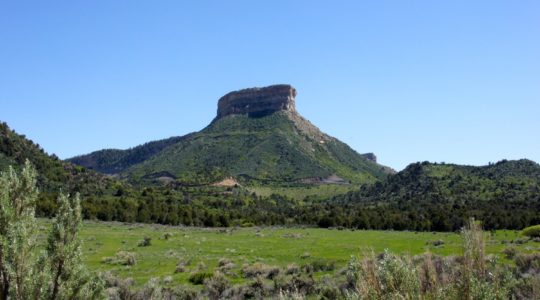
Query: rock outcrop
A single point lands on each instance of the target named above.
(257, 102)
(370, 156)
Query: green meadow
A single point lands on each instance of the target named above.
(202, 248)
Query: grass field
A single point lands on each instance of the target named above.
(271, 246)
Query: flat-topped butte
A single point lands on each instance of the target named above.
(257, 102)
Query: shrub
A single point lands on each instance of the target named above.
(433, 273)
(528, 263)
(201, 266)
(259, 269)
(26, 273)
(256, 289)
(533, 231)
(320, 265)
(182, 292)
(123, 258)
(151, 290)
(168, 280)
(389, 277)
(292, 269)
(398, 277)
(527, 288)
(216, 286)
(198, 278)
(147, 241)
(437, 243)
(225, 266)
(328, 288)
(117, 288)
(520, 241)
(182, 265)
(223, 262)
(295, 285)
(509, 252)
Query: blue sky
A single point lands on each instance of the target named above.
(443, 81)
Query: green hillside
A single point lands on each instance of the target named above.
(424, 196)
(15, 149)
(113, 161)
(257, 138)
(54, 175)
(272, 149)
(504, 181)
(442, 196)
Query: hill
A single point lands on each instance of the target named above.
(504, 181)
(113, 161)
(257, 137)
(15, 149)
(442, 196)
(423, 197)
(54, 175)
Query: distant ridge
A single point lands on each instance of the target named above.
(53, 174)
(504, 195)
(113, 161)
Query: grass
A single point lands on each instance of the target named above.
(271, 246)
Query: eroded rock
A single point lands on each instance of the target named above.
(257, 102)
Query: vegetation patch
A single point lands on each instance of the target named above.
(123, 258)
(532, 232)
(198, 278)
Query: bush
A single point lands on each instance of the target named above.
(123, 258)
(328, 288)
(151, 290)
(117, 287)
(388, 277)
(182, 265)
(198, 278)
(509, 252)
(147, 241)
(226, 266)
(527, 288)
(216, 286)
(259, 269)
(182, 292)
(533, 231)
(257, 289)
(319, 265)
(292, 269)
(436, 243)
(528, 263)
(224, 262)
(55, 272)
(520, 241)
(295, 287)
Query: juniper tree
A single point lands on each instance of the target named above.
(18, 232)
(55, 273)
(69, 279)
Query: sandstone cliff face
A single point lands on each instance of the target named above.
(258, 102)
